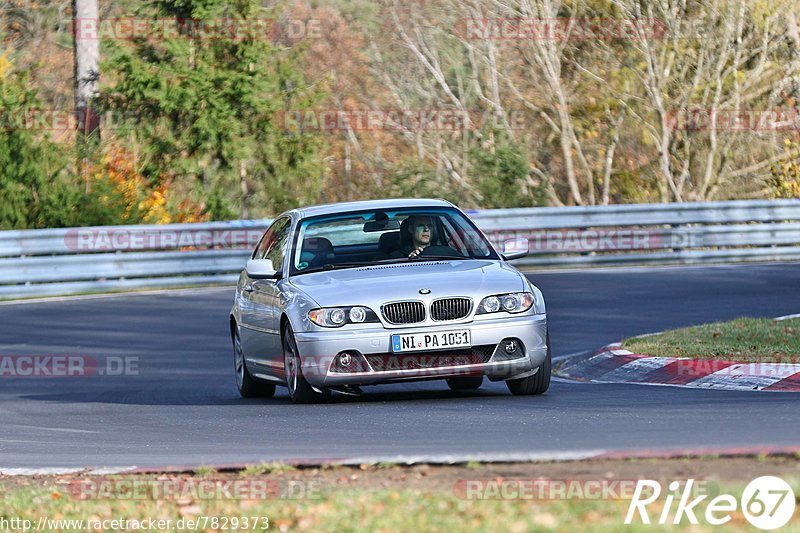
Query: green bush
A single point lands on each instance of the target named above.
(204, 112)
(502, 173)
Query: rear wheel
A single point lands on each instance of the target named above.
(470, 383)
(299, 389)
(248, 386)
(537, 383)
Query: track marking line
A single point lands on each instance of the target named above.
(49, 471)
(444, 459)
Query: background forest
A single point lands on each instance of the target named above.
(608, 101)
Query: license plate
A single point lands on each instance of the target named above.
(440, 340)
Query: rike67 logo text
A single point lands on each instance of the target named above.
(767, 502)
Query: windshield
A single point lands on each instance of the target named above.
(374, 237)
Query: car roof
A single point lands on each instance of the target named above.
(365, 205)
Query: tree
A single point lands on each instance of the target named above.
(28, 165)
(504, 174)
(206, 110)
(601, 108)
(714, 61)
(87, 78)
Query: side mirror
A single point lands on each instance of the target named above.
(515, 248)
(261, 269)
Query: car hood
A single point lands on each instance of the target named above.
(375, 285)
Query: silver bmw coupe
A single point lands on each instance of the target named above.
(336, 297)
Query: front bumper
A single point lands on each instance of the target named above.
(318, 349)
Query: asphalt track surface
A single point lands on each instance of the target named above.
(182, 407)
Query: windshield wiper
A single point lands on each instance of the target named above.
(437, 257)
(336, 266)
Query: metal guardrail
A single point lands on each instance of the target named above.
(99, 259)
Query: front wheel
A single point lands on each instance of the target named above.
(537, 383)
(299, 389)
(248, 386)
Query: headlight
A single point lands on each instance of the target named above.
(337, 317)
(490, 304)
(358, 314)
(334, 317)
(515, 302)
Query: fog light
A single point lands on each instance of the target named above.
(349, 363)
(508, 349)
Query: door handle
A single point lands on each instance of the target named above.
(248, 288)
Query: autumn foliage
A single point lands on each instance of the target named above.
(677, 112)
(137, 199)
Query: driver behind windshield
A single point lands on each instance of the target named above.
(416, 234)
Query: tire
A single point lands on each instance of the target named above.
(537, 383)
(249, 387)
(299, 389)
(470, 383)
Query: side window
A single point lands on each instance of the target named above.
(274, 243)
(277, 230)
(258, 253)
(280, 245)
